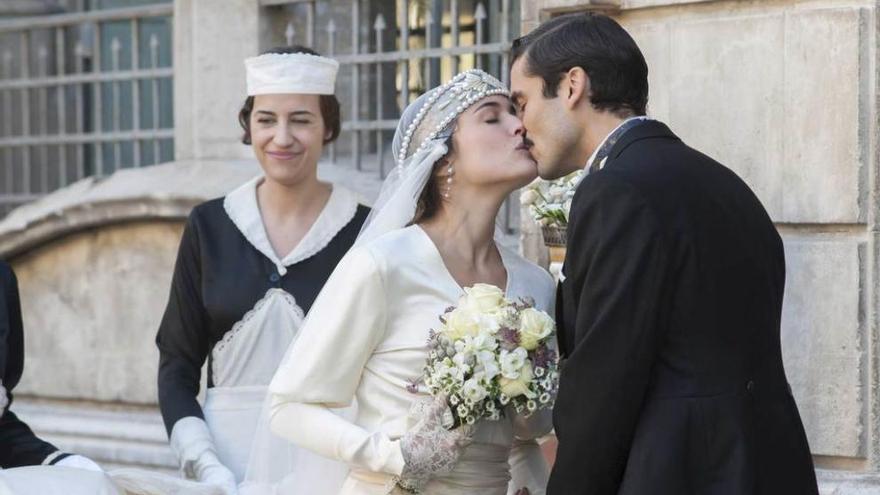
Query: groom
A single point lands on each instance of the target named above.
(671, 297)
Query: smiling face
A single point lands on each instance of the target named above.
(287, 135)
(489, 149)
(552, 127)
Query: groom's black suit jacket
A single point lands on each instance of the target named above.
(669, 319)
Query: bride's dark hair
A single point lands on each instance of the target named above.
(429, 201)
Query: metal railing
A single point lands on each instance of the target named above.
(82, 94)
(425, 44)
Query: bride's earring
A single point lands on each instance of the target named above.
(449, 173)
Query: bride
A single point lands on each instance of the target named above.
(460, 152)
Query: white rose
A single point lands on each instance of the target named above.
(528, 197)
(473, 391)
(518, 386)
(534, 326)
(512, 362)
(484, 298)
(461, 322)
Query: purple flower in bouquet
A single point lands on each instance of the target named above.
(509, 338)
(543, 357)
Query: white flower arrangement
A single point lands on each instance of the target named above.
(550, 201)
(490, 353)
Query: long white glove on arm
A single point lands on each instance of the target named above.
(191, 441)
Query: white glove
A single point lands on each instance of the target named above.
(4, 399)
(430, 449)
(191, 441)
(79, 462)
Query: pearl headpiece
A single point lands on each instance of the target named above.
(444, 105)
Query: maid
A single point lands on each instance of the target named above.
(251, 264)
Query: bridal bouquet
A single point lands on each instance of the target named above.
(550, 201)
(490, 353)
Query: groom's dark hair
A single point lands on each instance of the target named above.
(597, 44)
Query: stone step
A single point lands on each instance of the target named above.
(113, 435)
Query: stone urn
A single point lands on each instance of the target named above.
(554, 239)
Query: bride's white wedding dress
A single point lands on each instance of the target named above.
(365, 340)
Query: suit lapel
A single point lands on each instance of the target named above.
(646, 130)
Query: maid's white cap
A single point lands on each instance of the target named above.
(282, 73)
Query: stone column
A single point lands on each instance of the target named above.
(211, 42)
(784, 92)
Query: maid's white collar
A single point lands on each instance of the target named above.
(242, 208)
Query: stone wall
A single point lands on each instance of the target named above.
(784, 92)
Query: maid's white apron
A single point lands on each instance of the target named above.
(242, 366)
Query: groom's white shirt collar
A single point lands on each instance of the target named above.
(596, 151)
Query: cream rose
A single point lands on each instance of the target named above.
(519, 386)
(484, 298)
(534, 326)
(460, 323)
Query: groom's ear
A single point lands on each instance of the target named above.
(574, 86)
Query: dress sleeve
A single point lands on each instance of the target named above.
(324, 366)
(183, 338)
